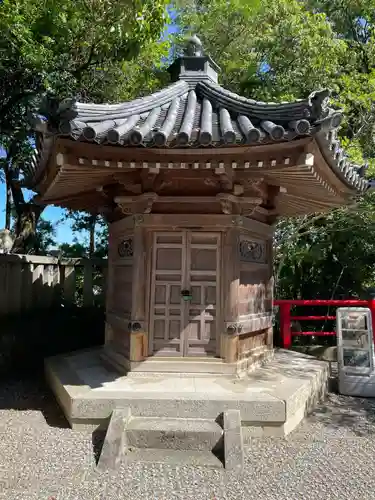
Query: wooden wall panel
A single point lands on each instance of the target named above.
(119, 290)
(120, 271)
(117, 335)
(249, 342)
(254, 298)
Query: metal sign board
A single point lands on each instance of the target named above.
(355, 341)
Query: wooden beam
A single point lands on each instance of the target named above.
(128, 183)
(157, 154)
(148, 177)
(226, 176)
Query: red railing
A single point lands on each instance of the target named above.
(286, 318)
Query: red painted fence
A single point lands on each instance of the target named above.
(286, 318)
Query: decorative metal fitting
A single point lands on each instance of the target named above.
(125, 248)
(253, 251)
(237, 221)
(134, 326)
(234, 328)
(138, 219)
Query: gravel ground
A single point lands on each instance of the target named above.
(330, 456)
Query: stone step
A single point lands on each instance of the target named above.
(197, 442)
(174, 457)
(174, 433)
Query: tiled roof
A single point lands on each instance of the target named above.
(205, 115)
(195, 111)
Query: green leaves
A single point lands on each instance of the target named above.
(268, 49)
(92, 228)
(283, 50)
(59, 46)
(313, 252)
(70, 49)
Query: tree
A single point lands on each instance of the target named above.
(92, 224)
(272, 50)
(283, 50)
(43, 241)
(72, 250)
(66, 49)
(266, 49)
(327, 256)
(45, 237)
(354, 22)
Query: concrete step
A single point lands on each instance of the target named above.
(174, 457)
(197, 442)
(174, 433)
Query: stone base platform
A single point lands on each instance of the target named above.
(272, 399)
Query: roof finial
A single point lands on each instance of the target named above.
(193, 47)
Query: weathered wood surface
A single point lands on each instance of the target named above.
(33, 282)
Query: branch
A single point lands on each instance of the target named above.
(333, 294)
(4, 110)
(360, 44)
(77, 73)
(295, 235)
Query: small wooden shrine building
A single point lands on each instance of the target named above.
(191, 180)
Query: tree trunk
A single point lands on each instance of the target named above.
(92, 235)
(4, 163)
(8, 207)
(28, 215)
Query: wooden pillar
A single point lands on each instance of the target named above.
(229, 347)
(230, 284)
(137, 327)
(270, 287)
(285, 330)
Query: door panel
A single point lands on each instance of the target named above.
(202, 274)
(184, 261)
(166, 308)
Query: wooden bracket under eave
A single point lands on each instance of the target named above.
(136, 204)
(273, 195)
(231, 204)
(226, 175)
(148, 177)
(127, 184)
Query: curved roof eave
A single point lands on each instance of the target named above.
(196, 112)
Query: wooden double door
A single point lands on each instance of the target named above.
(185, 294)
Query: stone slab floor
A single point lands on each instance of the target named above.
(331, 455)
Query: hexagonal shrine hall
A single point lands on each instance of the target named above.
(191, 180)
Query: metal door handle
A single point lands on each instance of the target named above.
(186, 295)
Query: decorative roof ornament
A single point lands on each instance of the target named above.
(319, 103)
(194, 65)
(194, 47)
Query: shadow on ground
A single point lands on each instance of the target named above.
(25, 341)
(344, 413)
(33, 394)
(98, 437)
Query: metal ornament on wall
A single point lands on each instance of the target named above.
(138, 220)
(253, 251)
(237, 221)
(125, 248)
(134, 326)
(234, 328)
